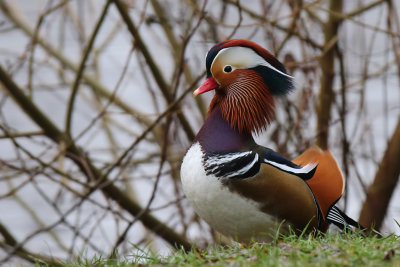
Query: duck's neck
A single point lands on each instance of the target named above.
(217, 136)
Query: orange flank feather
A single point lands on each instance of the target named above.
(327, 184)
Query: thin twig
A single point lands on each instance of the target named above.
(81, 68)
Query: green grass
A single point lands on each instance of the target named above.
(328, 250)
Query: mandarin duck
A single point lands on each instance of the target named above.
(244, 190)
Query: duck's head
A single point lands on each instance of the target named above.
(245, 78)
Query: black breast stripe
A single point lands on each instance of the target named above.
(247, 164)
(232, 165)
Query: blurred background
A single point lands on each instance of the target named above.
(96, 113)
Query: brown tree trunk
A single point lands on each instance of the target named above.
(381, 190)
(327, 61)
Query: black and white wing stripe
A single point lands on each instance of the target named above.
(274, 159)
(246, 164)
(341, 220)
(232, 165)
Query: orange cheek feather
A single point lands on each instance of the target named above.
(244, 99)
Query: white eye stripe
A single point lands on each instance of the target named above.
(266, 64)
(239, 57)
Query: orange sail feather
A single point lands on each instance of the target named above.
(327, 184)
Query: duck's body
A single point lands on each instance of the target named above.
(223, 209)
(228, 189)
(241, 189)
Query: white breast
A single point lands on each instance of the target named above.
(225, 211)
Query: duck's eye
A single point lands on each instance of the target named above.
(228, 69)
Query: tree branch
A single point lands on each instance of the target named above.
(86, 166)
(81, 69)
(10, 241)
(326, 95)
(380, 192)
(162, 84)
